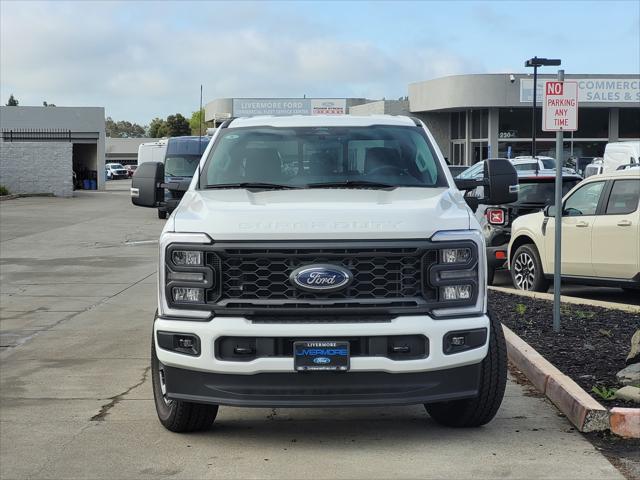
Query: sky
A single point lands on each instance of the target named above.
(147, 59)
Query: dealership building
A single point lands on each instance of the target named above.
(222, 109)
(474, 117)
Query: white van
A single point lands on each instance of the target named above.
(152, 151)
(619, 154)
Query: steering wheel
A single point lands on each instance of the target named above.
(385, 170)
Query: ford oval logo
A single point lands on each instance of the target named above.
(321, 278)
(321, 360)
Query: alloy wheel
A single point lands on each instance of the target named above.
(525, 271)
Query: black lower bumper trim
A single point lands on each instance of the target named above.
(323, 389)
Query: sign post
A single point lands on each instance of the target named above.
(559, 114)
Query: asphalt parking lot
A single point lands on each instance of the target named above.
(77, 301)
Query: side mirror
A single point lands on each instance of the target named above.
(146, 185)
(549, 211)
(501, 180)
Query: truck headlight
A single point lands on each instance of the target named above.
(455, 255)
(186, 257)
(188, 294)
(456, 292)
(189, 277)
(458, 275)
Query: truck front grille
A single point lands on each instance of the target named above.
(384, 274)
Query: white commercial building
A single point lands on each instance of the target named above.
(42, 147)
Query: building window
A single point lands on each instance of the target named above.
(592, 123)
(629, 123)
(457, 149)
(458, 125)
(480, 124)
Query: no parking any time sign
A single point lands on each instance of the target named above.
(560, 107)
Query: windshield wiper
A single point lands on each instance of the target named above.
(249, 185)
(352, 184)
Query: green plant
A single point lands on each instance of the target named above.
(605, 333)
(582, 315)
(603, 392)
(521, 309)
(3, 190)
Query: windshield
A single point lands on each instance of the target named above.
(474, 171)
(548, 163)
(181, 165)
(349, 157)
(116, 166)
(541, 193)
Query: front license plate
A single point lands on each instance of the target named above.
(321, 355)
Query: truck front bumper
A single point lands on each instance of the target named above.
(272, 381)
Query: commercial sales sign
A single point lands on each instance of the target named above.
(560, 107)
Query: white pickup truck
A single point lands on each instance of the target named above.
(324, 261)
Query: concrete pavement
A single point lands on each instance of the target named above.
(76, 305)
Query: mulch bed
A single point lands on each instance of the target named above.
(591, 347)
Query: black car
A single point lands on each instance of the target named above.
(537, 189)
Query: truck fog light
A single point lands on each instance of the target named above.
(455, 255)
(188, 294)
(455, 292)
(186, 276)
(186, 257)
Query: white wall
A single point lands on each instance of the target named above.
(37, 167)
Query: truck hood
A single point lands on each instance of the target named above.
(320, 214)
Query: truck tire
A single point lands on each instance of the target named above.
(162, 214)
(177, 415)
(474, 412)
(526, 269)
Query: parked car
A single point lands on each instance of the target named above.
(475, 171)
(534, 163)
(536, 189)
(115, 171)
(322, 261)
(600, 236)
(131, 169)
(457, 169)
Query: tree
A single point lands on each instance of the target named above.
(194, 122)
(45, 104)
(177, 126)
(13, 101)
(157, 128)
(123, 129)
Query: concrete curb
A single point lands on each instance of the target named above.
(584, 412)
(572, 300)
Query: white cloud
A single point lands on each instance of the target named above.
(146, 60)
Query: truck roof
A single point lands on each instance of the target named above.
(322, 121)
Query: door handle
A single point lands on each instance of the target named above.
(624, 223)
(582, 224)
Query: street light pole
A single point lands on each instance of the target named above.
(533, 111)
(536, 62)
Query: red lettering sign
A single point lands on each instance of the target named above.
(555, 88)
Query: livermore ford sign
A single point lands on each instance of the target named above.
(247, 107)
(591, 90)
